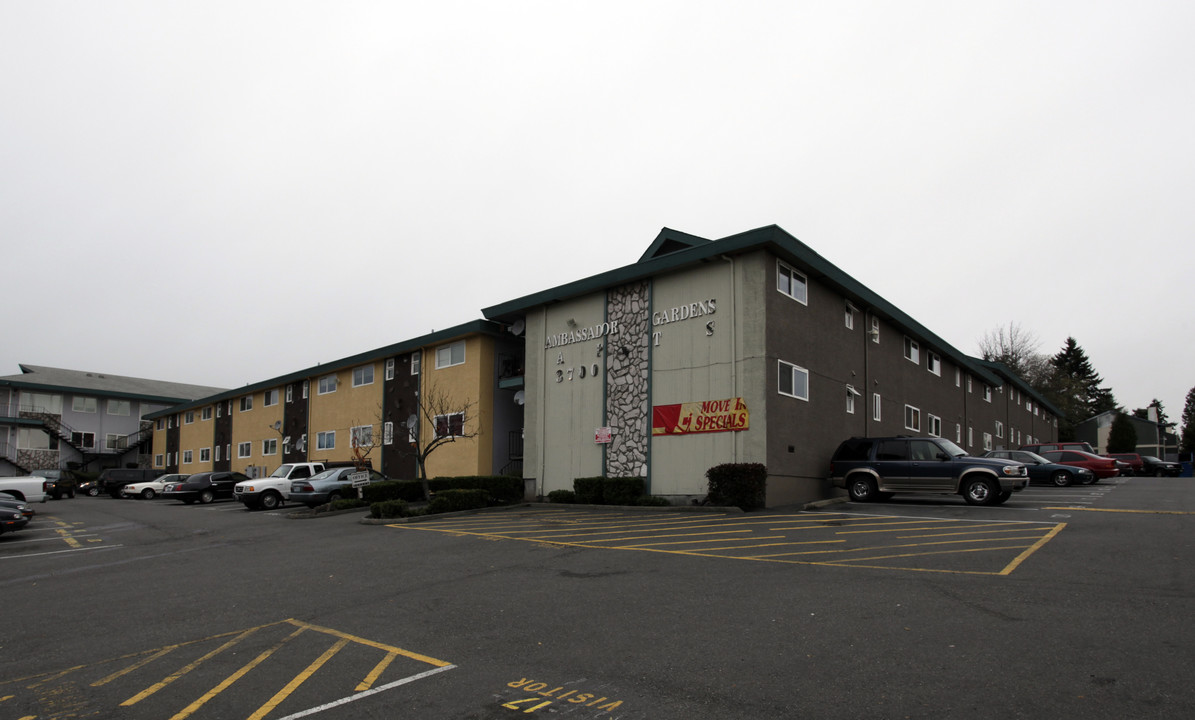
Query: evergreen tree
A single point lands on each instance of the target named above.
(1075, 388)
(1187, 443)
(1122, 436)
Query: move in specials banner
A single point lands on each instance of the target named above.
(700, 417)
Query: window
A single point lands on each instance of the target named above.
(119, 407)
(244, 449)
(987, 393)
(205, 455)
(271, 397)
(388, 433)
(958, 377)
(327, 384)
(158, 461)
(390, 368)
(217, 453)
(999, 430)
(935, 425)
(170, 422)
(290, 393)
(361, 435)
(187, 457)
(363, 375)
(792, 283)
(851, 394)
(850, 318)
(934, 363)
(189, 417)
(416, 361)
(42, 402)
(84, 440)
(450, 425)
(875, 330)
(451, 354)
(968, 383)
(114, 441)
(958, 433)
(305, 384)
(246, 403)
(970, 436)
(912, 418)
(161, 423)
(912, 351)
(286, 445)
(325, 440)
(794, 381)
(220, 410)
(1035, 409)
(269, 446)
(206, 413)
(987, 441)
(228, 450)
(875, 407)
(83, 404)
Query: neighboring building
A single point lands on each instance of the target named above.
(1153, 438)
(752, 348)
(317, 414)
(53, 418)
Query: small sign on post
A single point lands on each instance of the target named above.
(359, 479)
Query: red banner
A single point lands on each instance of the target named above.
(700, 417)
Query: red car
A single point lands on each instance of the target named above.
(1103, 467)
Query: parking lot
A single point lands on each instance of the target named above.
(159, 610)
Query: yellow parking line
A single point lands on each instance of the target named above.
(1032, 549)
(648, 537)
(931, 527)
(377, 671)
(951, 534)
(1140, 512)
(935, 552)
(141, 663)
(369, 643)
(299, 679)
(187, 668)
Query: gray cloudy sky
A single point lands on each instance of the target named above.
(221, 192)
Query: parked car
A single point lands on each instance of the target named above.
(59, 483)
(114, 479)
(30, 488)
(11, 520)
(872, 468)
(205, 487)
(90, 488)
(1159, 468)
(1042, 470)
(1134, 461)
(1102, 467)
(270, 492)
(19, 505)
(1041, 448)
(328, 486)
(148, 489)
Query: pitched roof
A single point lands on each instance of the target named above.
(38, 377)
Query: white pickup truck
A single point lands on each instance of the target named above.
(270, 492)
(31, 488)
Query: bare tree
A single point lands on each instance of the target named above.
(1016, 347)
(440, 418)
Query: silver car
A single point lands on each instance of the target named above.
(328, 486)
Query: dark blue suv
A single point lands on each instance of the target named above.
(874, 468)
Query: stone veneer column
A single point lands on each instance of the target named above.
(626, 380)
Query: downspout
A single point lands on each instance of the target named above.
(543, 394)
(734, 347)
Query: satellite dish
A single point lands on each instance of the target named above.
(520, 398)
(277, 424)
(412, 421)
(518, 327)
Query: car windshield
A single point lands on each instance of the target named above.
(282, 471)
(1035, 457)
(952, 449)
(325, 475)
(1150, 458)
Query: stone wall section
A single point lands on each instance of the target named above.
(627, 354)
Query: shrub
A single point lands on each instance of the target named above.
(742, 485)
(502, 488)
(588, 490)
(458, 499)
(652, 501)
(609, 490)
(562, 496)
(347, 504)
(389, 509)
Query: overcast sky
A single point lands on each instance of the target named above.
(221, 192)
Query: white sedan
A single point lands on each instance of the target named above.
(149, 490)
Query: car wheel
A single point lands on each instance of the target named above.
(147, 494)
(1002, 498)
(333, 497)
(270, 501)
(206, 496)
(93, 491)
(1159, 473)
(862, 489)
(980, 491)
(1061, 478)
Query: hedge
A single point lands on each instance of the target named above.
(502, 488)
(458, 499)
(609, 490)
(742, 485)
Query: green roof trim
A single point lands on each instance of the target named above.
(771, 238)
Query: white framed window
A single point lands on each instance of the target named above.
(84, 440)
(220, 410)
(325, 440)
(958, 377)
(987, 441)
(228, 450)
(290, 393)
(83, 404)
(363, 375)
(42, 402)
(206, 413)
(271, 397)
(452, 425)
(416, 361)
(217, 453)
(851, 394)
(361, 435)
(793, 380)
(112, 441)
(389, 368)
(246, 403)
(849, 319)
(286, 445)
(170, 422)
(875, 407)
(1035, 409)
(269, 446)
(875, 330)
(119, 407)
(158, 462)
(205, 455)
(935, 425)
(987, 393)
(999, 430)
(188, 417)
(244, 449)
(327, 384)
(958, 433)
(933, 362)
(305, 384)
(970, 436)
(968, 383)
(912, 351)
(912, 418)
(388, 433)
(792, 283)
(188, 455)
(450, 354)
(161, 424)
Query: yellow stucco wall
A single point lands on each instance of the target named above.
(343, 409)
(471, 382)
(194, 436)
(253, 426)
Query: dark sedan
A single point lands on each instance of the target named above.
(11, 519)
(1159, 468)
(1042, 470)
(205, 487)
(8, 502)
